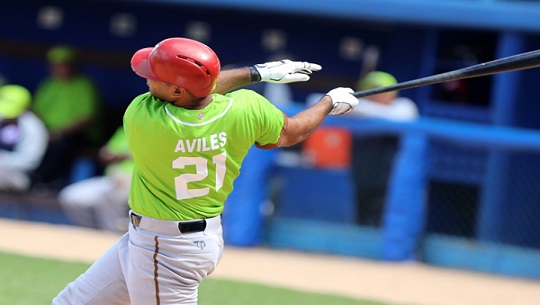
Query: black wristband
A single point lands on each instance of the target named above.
(255, 76)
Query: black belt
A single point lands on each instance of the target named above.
(183, 227)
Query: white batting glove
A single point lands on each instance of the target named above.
(285, 71)
(343, 100)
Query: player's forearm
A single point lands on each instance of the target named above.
(279, 72)
(304, 123)
(229, 80)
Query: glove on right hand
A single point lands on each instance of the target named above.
(343, 100)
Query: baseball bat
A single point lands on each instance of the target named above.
(511, 63)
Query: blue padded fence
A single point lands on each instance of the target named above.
(501, 237)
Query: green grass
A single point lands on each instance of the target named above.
(26, 280)
(226, 292)
(29, 280)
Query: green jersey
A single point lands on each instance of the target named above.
(186, 160)
(60, 103)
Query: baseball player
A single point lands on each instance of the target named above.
(188, 141)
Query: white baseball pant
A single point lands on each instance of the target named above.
(151, 264)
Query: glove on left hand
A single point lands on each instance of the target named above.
(286, 71)
(343, 100)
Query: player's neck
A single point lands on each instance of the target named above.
(193, 104)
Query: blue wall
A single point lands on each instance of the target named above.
(504, 239)
(488, 14)
(235, 35)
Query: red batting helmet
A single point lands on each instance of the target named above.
(179, 61)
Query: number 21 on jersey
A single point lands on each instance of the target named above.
(181, 182)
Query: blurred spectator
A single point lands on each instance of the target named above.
(69, 103)
(102, 202)
(373, 155)
(23, 139)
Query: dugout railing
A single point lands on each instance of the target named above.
(461, 195)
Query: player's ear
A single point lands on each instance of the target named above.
(179, 91)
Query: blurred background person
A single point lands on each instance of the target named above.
(101, 202)
(69, 104)
(373, 154)
(23, 139)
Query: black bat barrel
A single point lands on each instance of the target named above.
(512, 63)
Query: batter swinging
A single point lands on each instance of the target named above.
(188, 142)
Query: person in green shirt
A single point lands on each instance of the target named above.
(188, 138)
(101, 202)
(68, 102)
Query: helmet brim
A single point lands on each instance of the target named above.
(141, 65)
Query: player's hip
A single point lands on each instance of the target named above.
(197, 252)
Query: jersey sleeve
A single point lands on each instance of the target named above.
(265, 118)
